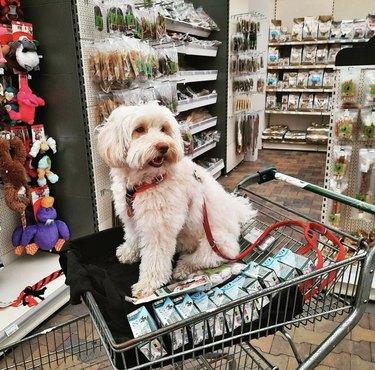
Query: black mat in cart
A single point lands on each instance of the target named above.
(90, 264)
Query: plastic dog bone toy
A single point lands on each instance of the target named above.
(27, 102)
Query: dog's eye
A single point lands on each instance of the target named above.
(163, 129)
(140, 129)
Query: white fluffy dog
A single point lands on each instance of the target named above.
(143, 145)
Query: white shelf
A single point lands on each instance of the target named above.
(203, 149)
(299, 90)
(16, 322)
(195, 49)
(216, 168)
(296, 146)
(184, 105)
(302, 66)
(197, 76)
(315, 42)
(203, 125)
(184, 27)
(312, 113)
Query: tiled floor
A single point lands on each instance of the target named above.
(355, 352)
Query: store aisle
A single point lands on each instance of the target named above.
(357, 351)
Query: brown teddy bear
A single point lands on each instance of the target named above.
(13, 174)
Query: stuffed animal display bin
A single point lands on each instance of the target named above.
(90, 265)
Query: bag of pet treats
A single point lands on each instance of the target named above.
(332, 52)
(273, 55)
(359, 29)
(347, 30)
(370, 87)
(315, 79)
(310, 28)
(275, 30)
(297, 29)
(328, 79)
(302, 78)
(324, 27)
(293, 102)
(370, 20)
(345, 122)
(306, 102)
(349, 81)
(341, 155)
(321, 54)
(296, 55)
(335, 30)
(368, 123)
(321, 102)
(309, 54)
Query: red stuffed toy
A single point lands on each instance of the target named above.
(27, 102)
(10, 11)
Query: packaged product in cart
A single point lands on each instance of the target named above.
(186, 308)
(141, 322)
(341, 157)
(310, 28)
(368, 123)
(167, 314)
(251, 309)
(221, 274)
(324, 28)
(204, 304)
(302, 264)
(345, 121)
(283, 271)
(232, 316)
(266, 276)
(370, 87)
(349, 87)
(297, 29)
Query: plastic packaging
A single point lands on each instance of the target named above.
(296, 55)
(368, 123)
(345, 122)
(324, 28)
(275, 30)
(297, 29)
(309, 54)
(349, 87)
(370, 87)
(310, 28)
(341, 157)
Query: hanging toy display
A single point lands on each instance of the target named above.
(5, 39)
(12, 171)
(25, 52)
(47, 234)
(27, 102)
(10, 11)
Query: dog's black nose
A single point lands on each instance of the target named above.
(162, 147)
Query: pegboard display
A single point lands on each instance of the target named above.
(350, 165)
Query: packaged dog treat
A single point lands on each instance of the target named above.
(368, 123)
(349, 87)
(166, 314)
(297, 29)
(141, 322)
(204, 304)
(292, 79)
(219, 275)
(273, 55)
(321, 102)
(250, 310)
(218, 297)
(284, 102)
(283, 271)
(266, 276)
(324, 28)
(310, 28)
(302, 79)
(370, 21)
(341, 155)
(295, 136)
(186, 308)
(347, 30)
(345, 123)
(272, 79)
(275, 30)
(335, 30)
(317, 134)
(284, 36)
(301, 263)
(315, 79)
(306, 102)
(333, 50)
(359, 29)
(370, 87)
(334, 215)
(271, 102)
(296, 55)
(328, 79)
(321, 54)
(309, 54)
(293, 101)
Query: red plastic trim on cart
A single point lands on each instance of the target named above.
(310, 232)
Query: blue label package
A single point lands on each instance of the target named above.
(283, 271)
(301, 263)
(267, 276)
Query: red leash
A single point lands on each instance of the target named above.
(310, 233)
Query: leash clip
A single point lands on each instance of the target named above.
(196, 176)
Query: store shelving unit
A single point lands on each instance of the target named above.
(202, 101)
(274, 117)
(189, 48)
(198, 76)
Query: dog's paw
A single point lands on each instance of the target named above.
(141, 289)
(182, 270)
(126, 254)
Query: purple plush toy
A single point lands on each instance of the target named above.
(48, 233)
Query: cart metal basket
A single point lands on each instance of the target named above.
(337, 288)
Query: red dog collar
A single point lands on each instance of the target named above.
(132, 191)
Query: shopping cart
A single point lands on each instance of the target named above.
(340, 286)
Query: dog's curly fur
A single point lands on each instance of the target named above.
(140, 143)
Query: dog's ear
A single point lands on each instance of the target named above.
(113, 138)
